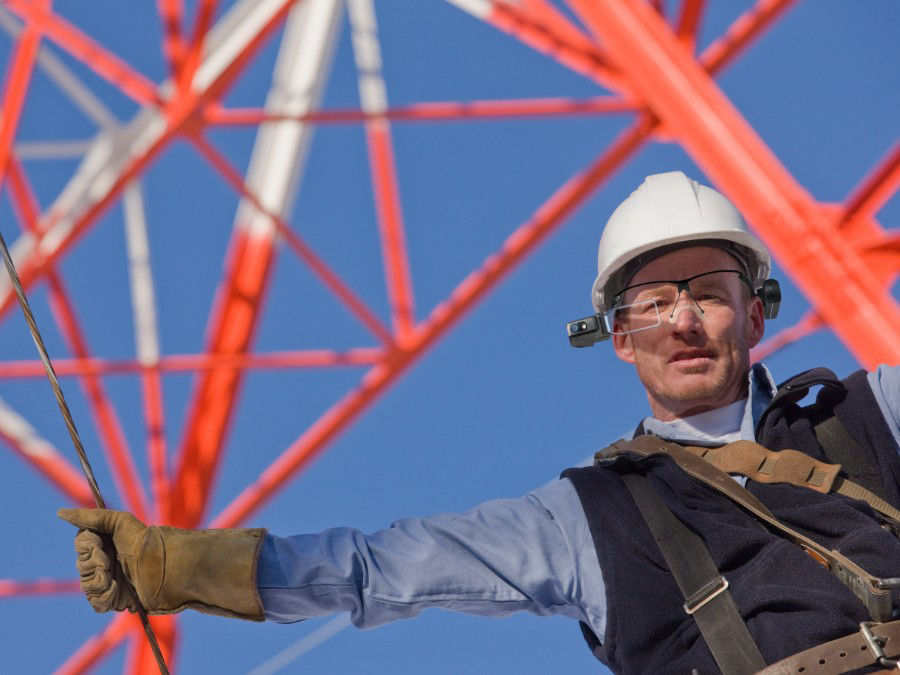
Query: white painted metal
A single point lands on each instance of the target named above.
(367, 53)
(64, 79)
(26, 438)
(478, 8)
(114, 150)
(298, 80)
(141, 276)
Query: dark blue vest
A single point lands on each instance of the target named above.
(788, 600)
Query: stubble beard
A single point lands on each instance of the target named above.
(708, 387)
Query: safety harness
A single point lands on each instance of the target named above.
(705, 590)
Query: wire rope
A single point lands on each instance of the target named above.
(70, 425)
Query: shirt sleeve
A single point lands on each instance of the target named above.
(504, 556)
(885, 383)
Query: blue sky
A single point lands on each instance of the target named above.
(500, 405)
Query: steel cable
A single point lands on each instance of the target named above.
(73, 432)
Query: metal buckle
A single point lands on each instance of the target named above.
(876, 643)
(705, 594)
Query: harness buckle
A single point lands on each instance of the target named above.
(705, 594)
(876, 644)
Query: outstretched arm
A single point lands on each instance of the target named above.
(534, 553)
(504, 556)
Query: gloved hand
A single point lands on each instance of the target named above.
(171, 569)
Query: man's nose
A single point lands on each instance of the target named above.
(686, 313)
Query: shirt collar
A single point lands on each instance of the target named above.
(722, 425)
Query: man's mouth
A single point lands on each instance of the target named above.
(688, 355)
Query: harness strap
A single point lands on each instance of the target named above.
(705, 590)
(789, 466)
(873, 644)
(841, 448)
(866, 587)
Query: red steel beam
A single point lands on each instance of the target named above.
(179, 113)
(689, 21)
(382, 167)
(103, 62)
(809, 323)
(874, 190)
(171, 13)
(318, 267)
(55, 468)
(746, 28)
(472, 289)
(192, 56)
(568, 45)
(390, 224)
(829, 272)
(151, 392)
(10, 588)
(231, 333)
(234, 320)
(98, 647)
(120, 459)
(174, 363)
(430, 111)
(140, 657)
(17, 78)
(115, 448)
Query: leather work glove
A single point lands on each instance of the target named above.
(171, 569)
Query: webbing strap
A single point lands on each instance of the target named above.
(854, 491)
(765, 466)
(705, 590)
(865, 586)
(789, 466)
(841, 448)
(881, 645)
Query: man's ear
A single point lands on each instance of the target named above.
(755, 322)
(623, 347)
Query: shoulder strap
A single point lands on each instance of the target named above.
(841, 448)
(866, 587)
(791, 466)
(704, 589)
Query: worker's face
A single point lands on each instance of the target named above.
(691, 363)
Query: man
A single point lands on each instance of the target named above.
(683, 290)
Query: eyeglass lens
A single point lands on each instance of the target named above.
(645, 302)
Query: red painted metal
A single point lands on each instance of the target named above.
(874, 190)
(179, 113)
(688, 22)
(473, 288)
(9, 588)
(324, 273)
(98, 646)
(809, 323)
(115, 448)
(187, 66)
(171, 13)
(175, 363)
(140, 658)
(16, 84)
(746, 28)
(654, 75)
(390, 223)
(56, 469)
(824, 264)
(94, 56)
(432, 111)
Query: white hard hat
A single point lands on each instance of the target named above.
(668, 210)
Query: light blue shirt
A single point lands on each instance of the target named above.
(534, 553)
